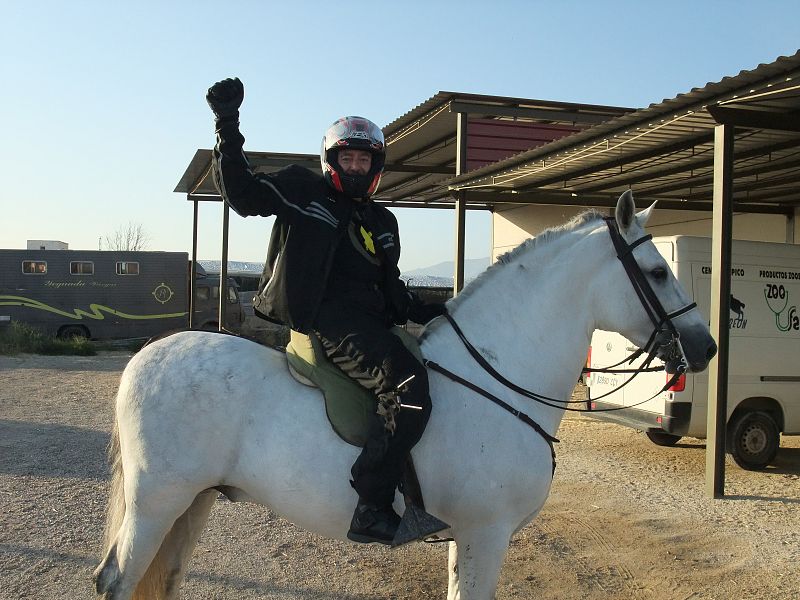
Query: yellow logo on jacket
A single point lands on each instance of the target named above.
(367, 237)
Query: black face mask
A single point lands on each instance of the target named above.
(356, 186)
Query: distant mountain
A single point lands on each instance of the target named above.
(213, 266)
(438, 275)
(472, 268)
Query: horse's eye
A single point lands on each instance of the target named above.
(659, 273)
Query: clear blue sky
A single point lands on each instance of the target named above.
(103, 102)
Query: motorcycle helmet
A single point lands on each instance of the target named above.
(356, 133)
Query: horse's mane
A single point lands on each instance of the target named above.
(529, 245)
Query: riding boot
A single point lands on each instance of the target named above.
(372, 523)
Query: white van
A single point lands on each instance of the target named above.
(764, 366)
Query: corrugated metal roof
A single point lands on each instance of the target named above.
(664, 151)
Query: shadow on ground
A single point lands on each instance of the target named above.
(52, 450)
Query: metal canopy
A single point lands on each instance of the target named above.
(666, 151)
(421, 146)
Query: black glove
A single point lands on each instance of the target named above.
(421, 313)
(225, 97)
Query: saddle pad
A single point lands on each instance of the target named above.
(348, 405)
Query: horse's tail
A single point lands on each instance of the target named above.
(115, 511)
(152, 585)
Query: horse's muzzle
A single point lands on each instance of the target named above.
(687, 353)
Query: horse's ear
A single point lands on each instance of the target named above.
(625, 212)
(643, 216)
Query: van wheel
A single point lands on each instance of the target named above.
(753, 440)
(73, 331)
(661, 438)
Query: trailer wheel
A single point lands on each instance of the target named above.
(662, 438)
(753, 440)
(72, 331)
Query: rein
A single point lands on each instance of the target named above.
(655, 311)
(502, 404)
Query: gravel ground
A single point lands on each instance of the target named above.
(626, 519)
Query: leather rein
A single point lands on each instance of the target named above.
(662, 322)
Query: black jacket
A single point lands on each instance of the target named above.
(311, 220)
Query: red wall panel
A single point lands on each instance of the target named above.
(490, 140)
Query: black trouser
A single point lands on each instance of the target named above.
(361, 346)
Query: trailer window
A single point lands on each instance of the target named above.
(34, 267)
(79, 267)
(127, 268)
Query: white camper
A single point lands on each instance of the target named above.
(764, 370)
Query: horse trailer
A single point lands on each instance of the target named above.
(108, 294)
(763, 398)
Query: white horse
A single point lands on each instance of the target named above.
(197, 410)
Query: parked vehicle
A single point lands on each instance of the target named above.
(763, 397)
(108, 294)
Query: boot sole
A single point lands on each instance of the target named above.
(366, 539)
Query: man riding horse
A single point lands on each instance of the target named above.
(331, 271)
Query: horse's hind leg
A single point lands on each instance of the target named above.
(129, 566)
(479, 557)
(181, 540)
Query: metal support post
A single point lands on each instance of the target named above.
(720, 309)
(193, 270)
(461, 218)
(461, 203)
(223, 269)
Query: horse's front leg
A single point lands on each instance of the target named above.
(452, 571)
(475, 560)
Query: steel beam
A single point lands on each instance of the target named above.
(608, 200)
(204, 197)
(780, 120)
(540, 114)
(424, 169)
(721, 244)
(448, 205)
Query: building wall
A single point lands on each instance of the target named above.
(511, 226)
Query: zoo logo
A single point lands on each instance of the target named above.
(777, 297)
(163, 293)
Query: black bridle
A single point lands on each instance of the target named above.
(661, 319)
(662, 323)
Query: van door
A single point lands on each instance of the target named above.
(607, 349)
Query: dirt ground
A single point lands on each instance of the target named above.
(626, 519)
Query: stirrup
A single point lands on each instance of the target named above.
(416, 525)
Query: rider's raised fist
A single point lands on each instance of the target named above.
(225, 97)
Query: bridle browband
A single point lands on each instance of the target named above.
(661, 319)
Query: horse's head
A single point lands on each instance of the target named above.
(649, 306)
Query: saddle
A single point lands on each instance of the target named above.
(349, 408)
(348, 405)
